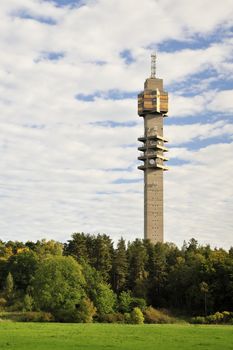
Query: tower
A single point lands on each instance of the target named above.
(153, 106)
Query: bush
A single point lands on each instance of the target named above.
(137, 316)
(127, 317)
(86, 311)
(36, 317)
(28, 303)
(105, 299)
(16, 306)
(138, 302)
(217, 318)
(198, 320)
(112, 318)
(220, 317)
(3, 303)
(125, 300)
(157, 316)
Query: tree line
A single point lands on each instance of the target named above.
(88, 277)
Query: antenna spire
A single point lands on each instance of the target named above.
(153, 65)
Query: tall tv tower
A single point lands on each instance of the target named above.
(153, 106)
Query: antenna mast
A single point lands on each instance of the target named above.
(153, 65)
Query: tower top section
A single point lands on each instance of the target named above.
(153, 100)
(153, 65)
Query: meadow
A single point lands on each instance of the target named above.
(51, 336)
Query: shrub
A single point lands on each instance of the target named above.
(16, 306)
(157, 316)
(138, 302)
(227, 316)
(113, 318)
(137, 316)
(86, 311)
(105, 299)
(125, 300)
(3, 303)
(36, 317)
(215, 318)
(219, 317)
(28, 303)
(127, 317)
(198, 320)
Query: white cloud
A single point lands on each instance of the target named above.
(198, 196)
(179, 134)
(57, 164)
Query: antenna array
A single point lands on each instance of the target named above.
(153, 65)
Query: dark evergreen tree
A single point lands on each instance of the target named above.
(120, 267)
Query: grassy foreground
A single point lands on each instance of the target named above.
(51, 336)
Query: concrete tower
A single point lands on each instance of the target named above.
(153, 106)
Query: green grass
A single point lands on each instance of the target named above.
(51, 336)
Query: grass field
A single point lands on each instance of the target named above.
(51, 336)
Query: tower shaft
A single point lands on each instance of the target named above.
(152, 106)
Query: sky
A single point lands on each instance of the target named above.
(70, 72)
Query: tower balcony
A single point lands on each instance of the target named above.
(153, 146)
(142, 148)
(154, 166)
(157, 137)
(157, 146)
(144, 156)
(142, 138)
(152, 137)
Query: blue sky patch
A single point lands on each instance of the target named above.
(70, 3)
(196, 42)
(114, 94)
(127, 56)
(113, 124)
(27, 15)
(198, 143)
(126, 181)
(50, 56)
(177, 161)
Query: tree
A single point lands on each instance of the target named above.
(28, 302)
(120, 267)
(137, 316)
(86, 311)
(77, 247)
(9, 287)
(137, 257)
(204, 288)
(22, 266)
(45, 248)
(105, 299)
(103, 256)
(58, 285)
(125, 300)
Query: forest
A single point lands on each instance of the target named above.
(88, 278)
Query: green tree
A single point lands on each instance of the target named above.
(78, 247)
(9, 287)
(105, 299)
(120, 267)
(137, 316)
(204, 288)
(58, 285)
(103, 256)
(137, 257)
(44, 248)
(86, 311)
(28, 302)
(125, 300)
(22, 267)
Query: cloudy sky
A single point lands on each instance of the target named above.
(70, 72)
